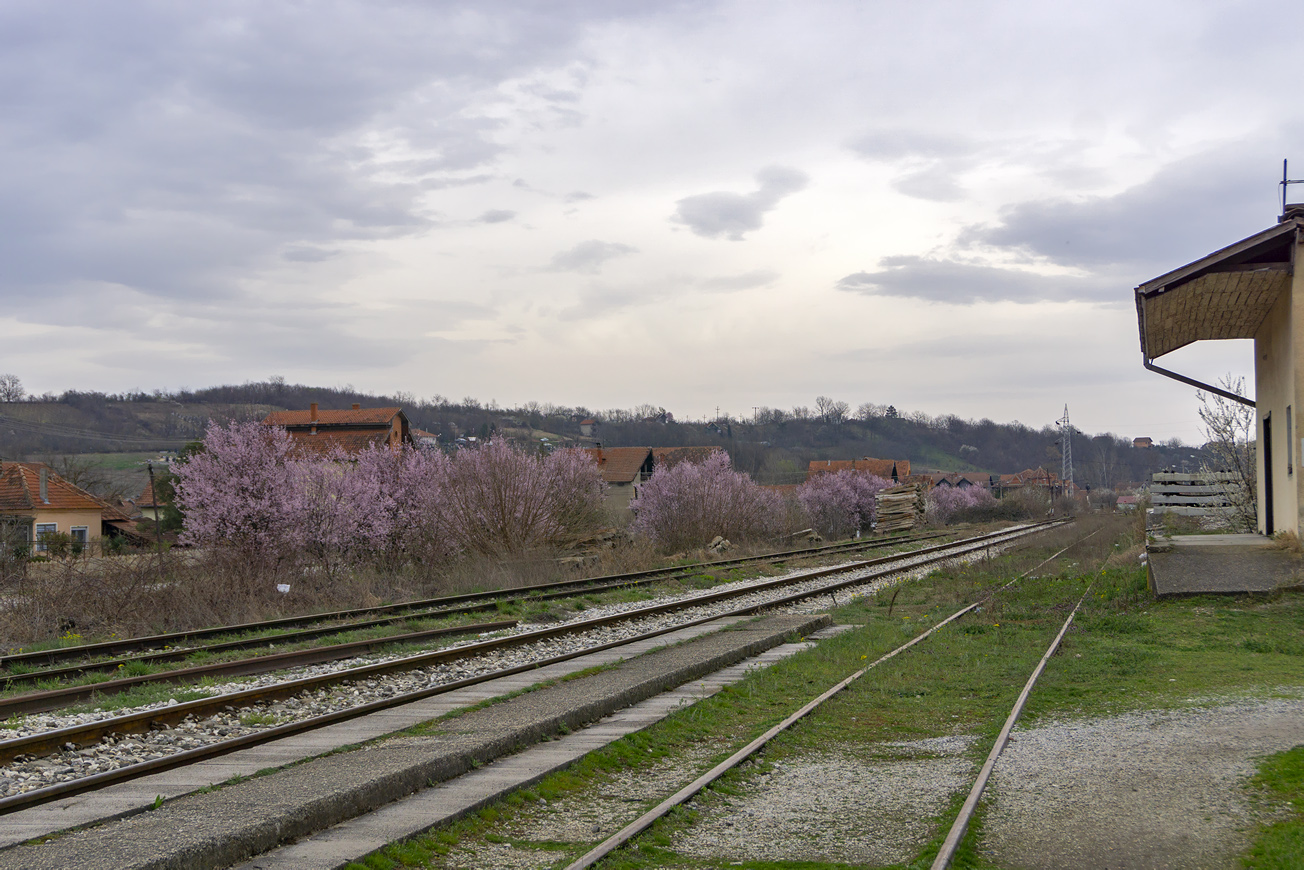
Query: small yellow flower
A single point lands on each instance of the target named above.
(862, 658)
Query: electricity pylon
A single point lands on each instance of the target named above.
(1066, 451)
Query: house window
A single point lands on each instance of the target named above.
(41, 531)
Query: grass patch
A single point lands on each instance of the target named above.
(1280, 843)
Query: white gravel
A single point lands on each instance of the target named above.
(1154, 789)
(27, 773)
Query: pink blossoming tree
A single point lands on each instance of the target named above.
(947, 504)
(837, 504)
(688, 504)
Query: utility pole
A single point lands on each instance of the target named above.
(158, 522)
(1066, 451)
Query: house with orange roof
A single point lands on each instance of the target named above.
(888, 469)
(623, 468)
(35, 499)
(321, 431)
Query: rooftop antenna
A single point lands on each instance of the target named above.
(1286, 180)
(1066, 442)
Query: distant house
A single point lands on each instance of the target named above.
(888, 469)
(43, 504)
(422, 438)
(1142, 443)
(623, 468)
(149, 506)
(1126, 502)
(1034, 477)
(586, 427)
(354, 430)
(962, 480)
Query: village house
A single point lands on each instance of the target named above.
(41, 504)
(895, 470)
(622, 468)
(321, 431)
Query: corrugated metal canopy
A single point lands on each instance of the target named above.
(1226, 294)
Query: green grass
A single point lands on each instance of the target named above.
(1280, 844)
(1125, 651)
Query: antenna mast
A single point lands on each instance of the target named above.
(1066, 451)
(1286, 182)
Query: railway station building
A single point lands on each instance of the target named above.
(1247, 290)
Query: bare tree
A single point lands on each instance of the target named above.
(830, 410)
(1229, 431)
(11, 389)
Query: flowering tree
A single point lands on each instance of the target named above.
(839, 503)
(945, 504)
(500, 500)
(688, 504)
(242, 488)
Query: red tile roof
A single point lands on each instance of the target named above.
(878, 467)
(351, 417)
(621, 464)
(146, 497)
(20, 491)
(306, 443)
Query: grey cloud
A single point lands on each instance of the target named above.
(308, 254)
(902, 144)
(957, 283)
(730, 215)
(1183, 212)
(930, 183)
(181, 150)
(496, 216)
(588, 257)
(578, 196)
(745, 281)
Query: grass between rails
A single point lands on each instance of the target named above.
(1125, 651)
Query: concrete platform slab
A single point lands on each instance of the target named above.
(233, 823)
(1219, 564)
(354, 839)
(138, 796)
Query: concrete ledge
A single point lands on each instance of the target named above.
(252, 817)
(1219, 564)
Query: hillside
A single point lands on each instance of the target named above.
(775, 447)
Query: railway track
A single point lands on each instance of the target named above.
(432, 673)
(25, 667)
(955, 835)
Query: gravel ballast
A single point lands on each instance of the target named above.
(251, 817)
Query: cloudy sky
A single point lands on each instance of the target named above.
(940, 205)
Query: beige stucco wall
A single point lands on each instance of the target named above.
(1278, 375)
(66, 520)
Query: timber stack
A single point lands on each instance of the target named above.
(900, 508)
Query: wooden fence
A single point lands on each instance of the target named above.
(1195, 495)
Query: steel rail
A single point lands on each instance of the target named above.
(80, 735)
(432, 606)
(38, 702)
(90, 732)
(961, 824)
(645, 821)
(53, 699)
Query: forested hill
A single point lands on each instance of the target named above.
(775, 446)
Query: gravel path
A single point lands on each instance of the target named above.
(1154, 789)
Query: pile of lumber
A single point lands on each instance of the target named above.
(900, 508)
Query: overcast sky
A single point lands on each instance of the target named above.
(943, 206)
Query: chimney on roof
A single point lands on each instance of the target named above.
(312, 413)
(45, 485)
(357, 407)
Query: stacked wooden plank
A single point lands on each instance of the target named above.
(899, 508)
(1195, 495)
